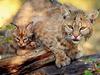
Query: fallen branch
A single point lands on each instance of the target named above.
(19, 59)
(12, 64)
(38, 59)
(77, 67)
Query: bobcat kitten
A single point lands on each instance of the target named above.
(24, 37)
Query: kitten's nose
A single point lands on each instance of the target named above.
(21, 44)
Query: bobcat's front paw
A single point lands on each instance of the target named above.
(62, 59)
(78, 55)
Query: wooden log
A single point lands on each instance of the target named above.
(77, 67)
(19, 59)
(38, 59)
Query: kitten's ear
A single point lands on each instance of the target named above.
(93, 15)
(30, 26)
(14, 25)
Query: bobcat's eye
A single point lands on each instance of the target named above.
(84, 31)
(70, 26)
(69, 29)
(82, 28)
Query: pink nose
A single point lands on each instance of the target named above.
(75, 36)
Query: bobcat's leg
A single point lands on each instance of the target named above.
(61, 58)
(78, 55)
(74, 54)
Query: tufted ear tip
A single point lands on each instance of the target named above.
(65, 11)
(93, 15)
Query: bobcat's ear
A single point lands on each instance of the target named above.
(65, 11)
(93, 15)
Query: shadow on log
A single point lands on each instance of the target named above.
(42, 60)
(77, 67)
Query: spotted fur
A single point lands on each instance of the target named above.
(63, 31)
(24, 37)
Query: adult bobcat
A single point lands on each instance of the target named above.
(63, 31)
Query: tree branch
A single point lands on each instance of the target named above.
(41, 59)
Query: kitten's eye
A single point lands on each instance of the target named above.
(70, 26)
(17, 39)
(25, 39)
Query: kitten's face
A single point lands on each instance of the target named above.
(22, 36)
(76, 27)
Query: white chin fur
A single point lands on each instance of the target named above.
(75, 42)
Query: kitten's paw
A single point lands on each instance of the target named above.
(33, 44)
(62, 60)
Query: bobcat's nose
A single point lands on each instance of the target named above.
(75, 38)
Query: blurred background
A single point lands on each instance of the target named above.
(9, 8)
